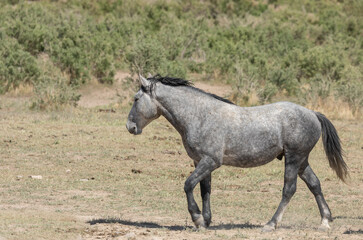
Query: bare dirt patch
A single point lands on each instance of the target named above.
(96, 94)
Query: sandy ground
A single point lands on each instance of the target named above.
(99, 182)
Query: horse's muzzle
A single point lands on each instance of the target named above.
(132, 128)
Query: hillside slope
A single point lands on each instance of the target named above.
(308, 50)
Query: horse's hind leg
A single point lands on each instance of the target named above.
(313, 183)
(292, 166)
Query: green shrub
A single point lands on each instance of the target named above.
(146, 56)
(16, 65)
(350, 89)
(52, 90)
(267, 92)
(284, 78)
(320, 60)
(31, 25)
(78, 45)
(72, 52)
(282, 47)
(246, 83)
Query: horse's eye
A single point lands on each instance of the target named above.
(145, 89)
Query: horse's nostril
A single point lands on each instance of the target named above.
(131, 127)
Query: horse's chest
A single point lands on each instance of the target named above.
(192, 149)
(199, 147)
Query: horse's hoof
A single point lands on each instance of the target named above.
(202, 229)
(324, 227)
(199, 223)
(268, 228)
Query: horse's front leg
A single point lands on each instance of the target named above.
(205, 189)
(202, 171)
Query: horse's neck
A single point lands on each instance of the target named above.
(179, 105)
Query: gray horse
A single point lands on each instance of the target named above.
(216, 132)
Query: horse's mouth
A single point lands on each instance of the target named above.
(134, 130)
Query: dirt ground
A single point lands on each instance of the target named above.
(78, 174)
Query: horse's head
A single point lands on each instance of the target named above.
(144, 110)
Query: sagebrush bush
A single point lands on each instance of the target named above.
(320, 60)
(17, 66)
(52, 90)
(282, 47)
(146, 56)
(77, 44)
(350, 88)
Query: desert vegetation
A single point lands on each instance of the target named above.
(308, 51)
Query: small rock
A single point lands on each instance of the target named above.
(169, 152)
(68, 170)
(36, 177)
(130, 236)
(83, 180)
(111, 110)
(156, 238)
(136, 171)
(19, 177)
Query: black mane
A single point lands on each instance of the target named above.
(175, 82)
(170, 81)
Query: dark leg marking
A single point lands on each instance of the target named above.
(205, 189)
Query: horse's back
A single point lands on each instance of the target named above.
(262, 133)
(296, 123)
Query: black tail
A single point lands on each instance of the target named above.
(333, 149)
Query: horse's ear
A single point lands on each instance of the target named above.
(144, 82)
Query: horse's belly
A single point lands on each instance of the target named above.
(246, 163)
(251, 159)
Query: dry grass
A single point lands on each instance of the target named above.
(99, 182)
(335, 109)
